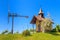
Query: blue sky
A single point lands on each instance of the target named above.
(27, 8)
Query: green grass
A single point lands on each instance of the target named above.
(35, 36)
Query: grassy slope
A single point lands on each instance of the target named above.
(36, 36)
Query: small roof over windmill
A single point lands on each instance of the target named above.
(40, 17)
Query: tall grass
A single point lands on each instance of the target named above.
(35, 36)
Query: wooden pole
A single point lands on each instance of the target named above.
(12, 24)
(33, 27)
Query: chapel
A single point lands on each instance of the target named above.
(37, 20)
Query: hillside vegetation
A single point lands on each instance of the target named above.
(35, 36)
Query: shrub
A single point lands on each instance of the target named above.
(4, 32)
(53, 30)
(17, 32)
(9, 33)
(26, 33)
(56, 29)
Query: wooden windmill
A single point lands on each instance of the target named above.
(13, 15)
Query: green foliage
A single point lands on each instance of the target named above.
(46, 25)
(4, 32)
(32, 30)
(17, 32)
(56, 29)
(35, 36)
(9, 33)
(26, 33)
(53, 30)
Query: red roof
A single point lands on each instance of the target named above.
(33, 21)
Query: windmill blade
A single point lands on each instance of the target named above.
(8, 11)
(8, 16)
(8, 19)
(17, 15)
(22, 16)
(26, 16)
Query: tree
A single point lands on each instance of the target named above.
(4, 32)
(26, 33)
(57, 28)
(32, 30)
(46, 25)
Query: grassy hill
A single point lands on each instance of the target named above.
(35, 36)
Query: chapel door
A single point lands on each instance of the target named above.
(39, 28)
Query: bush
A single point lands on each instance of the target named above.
(26, 33)
(4, 32)
(9, 33)
(56, 29)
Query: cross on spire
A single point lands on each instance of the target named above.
(40, 11)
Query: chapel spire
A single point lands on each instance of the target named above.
(41, 13)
